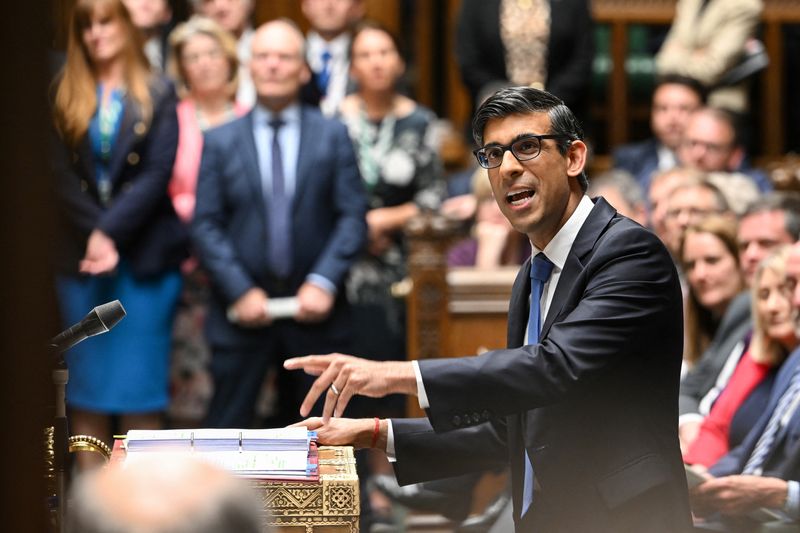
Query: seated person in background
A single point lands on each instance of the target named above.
(620, 190)
(712, 142)
(661, 187)
(159, 494)
(493, 241)
(688, 204)
(737, 406)
(675, 98)
(763, 470)
(772, 220)
(768, 223)
(710, 261)
(739, 190)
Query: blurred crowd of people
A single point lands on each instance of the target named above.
(243, 191)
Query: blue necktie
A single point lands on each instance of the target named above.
(768, 439)
(324, 75)
(280, 245)
(541, 268)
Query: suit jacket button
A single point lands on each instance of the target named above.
(84, 186)
(476, 418)
(486, 415)
(456, 420)
(139, 128)
(133, 158)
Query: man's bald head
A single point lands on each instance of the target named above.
(278, 66)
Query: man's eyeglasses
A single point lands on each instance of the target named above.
(525, 148)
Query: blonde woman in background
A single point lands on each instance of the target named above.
(205, 65)
(710, 259)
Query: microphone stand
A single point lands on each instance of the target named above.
(61, 439)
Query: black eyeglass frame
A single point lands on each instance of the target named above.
(510, 147)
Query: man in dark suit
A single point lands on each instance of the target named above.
(764, 470)
(280, 213)
(674, 100)
(583, 408)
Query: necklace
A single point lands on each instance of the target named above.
(373, 143)
(204, 123)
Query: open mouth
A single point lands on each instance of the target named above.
(520, 198)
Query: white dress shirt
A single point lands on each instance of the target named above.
(556, 251)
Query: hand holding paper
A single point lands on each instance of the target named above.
(344, 376)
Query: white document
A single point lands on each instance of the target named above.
(277, 309)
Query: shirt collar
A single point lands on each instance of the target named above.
(337, 47)
(290, 115)
(559, 246)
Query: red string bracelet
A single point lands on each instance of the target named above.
(375, 432)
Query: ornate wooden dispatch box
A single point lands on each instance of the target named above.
(328, 506)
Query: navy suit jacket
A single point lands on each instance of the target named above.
(140, 218)
(599, 394)
(784, 461)
(640, 159)
(230, 225)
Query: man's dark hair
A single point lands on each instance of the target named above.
(685, 81)
(785, 201)
(525, 100)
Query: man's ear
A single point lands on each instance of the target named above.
(576, 158)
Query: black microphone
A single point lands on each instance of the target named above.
(99, 320)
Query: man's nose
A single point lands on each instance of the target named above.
(510, 165)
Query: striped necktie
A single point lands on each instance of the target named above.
(767, 442)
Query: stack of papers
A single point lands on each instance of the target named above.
(289, 453)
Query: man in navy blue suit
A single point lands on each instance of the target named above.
(674, 100)
(280, 213)
(764, 470)
(582, 405)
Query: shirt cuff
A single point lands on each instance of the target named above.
(322, 282)
(792, 505)
(390, 453)
(422, 396)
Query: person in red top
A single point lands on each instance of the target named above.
(773, 337)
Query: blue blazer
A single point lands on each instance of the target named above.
(140, 218)
(784, 462)
(597, 397)
(230, 230)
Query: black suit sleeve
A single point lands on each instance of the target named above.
(423, 455)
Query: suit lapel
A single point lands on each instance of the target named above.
(126, 138)
(518, 307)
(249, 151)
(308, 126)
(584, 243)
